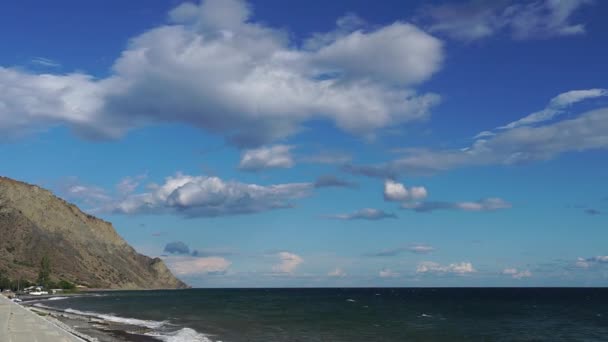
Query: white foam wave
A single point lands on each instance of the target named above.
(117, 319)
(57, 298)
(182, 335)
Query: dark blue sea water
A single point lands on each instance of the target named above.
(353, 315)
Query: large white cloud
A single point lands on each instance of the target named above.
(30, 102)
(213, 67)
(202, 196)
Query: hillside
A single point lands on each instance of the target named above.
(81, 248)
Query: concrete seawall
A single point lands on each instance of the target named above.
(18, 324)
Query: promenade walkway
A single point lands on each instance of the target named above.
(17, 324)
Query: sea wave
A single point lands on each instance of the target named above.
(159, 327)
(118, 319)
(57, 298)
(182, 335)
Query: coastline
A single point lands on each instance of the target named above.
(21, 323)
(91, 328)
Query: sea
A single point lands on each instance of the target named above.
(356, 314)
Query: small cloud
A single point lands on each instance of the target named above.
(474, 20)
(128, 185)
(177, 247)
(397, 192)
(557, 106)
(414, 248)
(412, 199)
(338, 273)
(73, 189)
(461, 268)
(421, 249)
(387, 273)
(486, 204)
(592, 212)
(269, 157)
(191, 265)
(364, 214)
(45, 62)
(517, 274)
(593, 261)
(388, 252)
(288, 263)
(328, 181)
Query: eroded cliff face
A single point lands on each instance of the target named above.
(82, 249)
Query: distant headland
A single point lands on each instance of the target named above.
(46, 239)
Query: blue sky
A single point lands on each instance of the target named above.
(301, 143)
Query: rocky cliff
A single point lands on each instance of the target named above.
(81, 248)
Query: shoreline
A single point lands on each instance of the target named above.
(91, 328)
(20, 321)
(94, 326)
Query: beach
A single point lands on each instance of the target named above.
(88, 327)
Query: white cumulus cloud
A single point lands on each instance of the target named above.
(395, 191)
(288, 262)
(214, 67)
(202, 196)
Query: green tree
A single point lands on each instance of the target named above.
(66, 285)
(44, 275)
(5, 282)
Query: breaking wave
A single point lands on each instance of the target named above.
(182, 335)
(118, 319)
